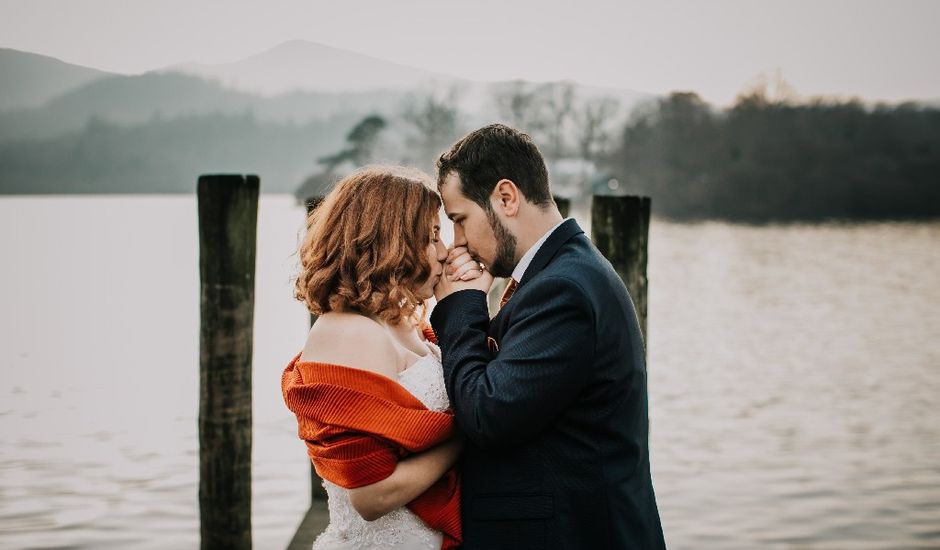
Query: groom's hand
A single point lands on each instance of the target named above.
(462, 272)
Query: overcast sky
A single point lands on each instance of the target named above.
(886, 50)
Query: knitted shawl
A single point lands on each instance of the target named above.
(358, 424)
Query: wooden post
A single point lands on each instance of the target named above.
(317, 492)
(228, 214)
(620, 230)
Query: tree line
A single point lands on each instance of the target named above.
(769, 158)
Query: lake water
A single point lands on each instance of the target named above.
(793, 375)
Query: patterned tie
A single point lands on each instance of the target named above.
(507, 294)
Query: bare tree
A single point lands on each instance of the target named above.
(773, 90)
(558, 100)
(594, 122)
(520, 105)
(432, 118)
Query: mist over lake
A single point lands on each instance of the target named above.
(792, 378)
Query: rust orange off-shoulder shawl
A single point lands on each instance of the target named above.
(357, 425)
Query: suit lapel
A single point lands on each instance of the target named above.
(550, 247)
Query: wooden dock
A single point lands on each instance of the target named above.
(312, 524)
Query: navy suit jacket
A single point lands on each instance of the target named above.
(556, 418)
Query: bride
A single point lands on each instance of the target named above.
(367, 388)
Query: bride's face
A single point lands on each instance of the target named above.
(436, 254)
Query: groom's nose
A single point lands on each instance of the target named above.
(460, 238)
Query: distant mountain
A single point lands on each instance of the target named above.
(29, 79)
(299, 65)
(138, 99)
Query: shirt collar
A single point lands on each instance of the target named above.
(526, 259)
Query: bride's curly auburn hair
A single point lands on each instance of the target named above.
(365, 249)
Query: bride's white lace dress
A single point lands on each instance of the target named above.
(399, 529)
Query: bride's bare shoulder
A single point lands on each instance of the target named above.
(351, 340)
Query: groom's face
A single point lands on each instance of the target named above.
(472, 228)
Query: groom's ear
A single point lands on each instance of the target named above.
(506, 197)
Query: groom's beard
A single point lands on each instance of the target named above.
(505, 247)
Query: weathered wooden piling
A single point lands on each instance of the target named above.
(228, 213)
(620, 230)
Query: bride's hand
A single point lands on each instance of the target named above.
(462, 272)
(461, 266)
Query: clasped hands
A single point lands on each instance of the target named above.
(462, 272)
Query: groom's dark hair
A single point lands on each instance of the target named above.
(495, 152)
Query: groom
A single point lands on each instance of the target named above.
(551, 393)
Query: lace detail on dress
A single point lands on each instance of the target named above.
(399, 529)
(425, 380)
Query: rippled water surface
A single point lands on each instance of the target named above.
(793, 380)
